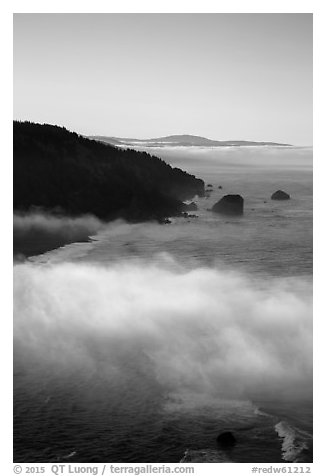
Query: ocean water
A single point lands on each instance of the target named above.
(149, 340)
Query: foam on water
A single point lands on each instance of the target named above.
(295, 442)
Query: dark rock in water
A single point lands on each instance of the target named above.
(220, 187)
(280, 195)
(191, 207)
(229, 205)
(226, 439)
(209, 185)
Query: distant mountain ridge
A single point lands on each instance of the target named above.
(184, 140)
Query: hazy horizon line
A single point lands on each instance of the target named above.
(160, 136)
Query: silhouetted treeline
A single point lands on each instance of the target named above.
(55, 169)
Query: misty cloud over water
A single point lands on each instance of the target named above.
(37, 232)
(204, 331)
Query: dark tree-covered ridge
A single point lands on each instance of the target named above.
(58, 170)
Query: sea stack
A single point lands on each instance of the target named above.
(280, 195)
(229, 205)
(226, 439)
(190, 207)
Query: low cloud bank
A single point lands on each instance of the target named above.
(204, 331)
(36, 233)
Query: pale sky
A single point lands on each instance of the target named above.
(222, 76)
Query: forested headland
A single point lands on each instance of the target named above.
(61, 172)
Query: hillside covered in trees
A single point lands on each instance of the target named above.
(60, 171)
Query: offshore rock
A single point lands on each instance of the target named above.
(191, 207)
(226, 439)
(229, 205)
(280, 195)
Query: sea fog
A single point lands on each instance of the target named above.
(150, 339)
(220, 160)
